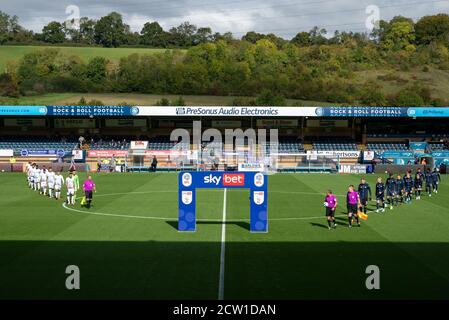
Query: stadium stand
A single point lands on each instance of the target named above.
(36, 143)
(290, 145)
(160, 143)
(123, 143)
(334, 144)
(380, 147)
(287, 145)
(109, 144)
(436, 147)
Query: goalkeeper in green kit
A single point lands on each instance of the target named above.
(76, 181)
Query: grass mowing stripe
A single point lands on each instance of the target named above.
(222, 250)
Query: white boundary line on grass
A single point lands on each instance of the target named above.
(199, 220)
(222, 251)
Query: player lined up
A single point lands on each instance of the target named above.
(397, 191)
(49, 183)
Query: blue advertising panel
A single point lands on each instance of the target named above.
(42, 152)
(397, 154)
(23, 111)
(440, 154)
(91, 111)
(440, 157)
(362, 112)
(418, 146)
(399, 157)
(256, 182)
(428, 112)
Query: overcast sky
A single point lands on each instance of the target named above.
(282, 17)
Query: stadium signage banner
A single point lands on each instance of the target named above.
(399, 157)
(368, 155)
(362, 112)
(428, 112)
(188, 182)
(23, 111)
(89, 111)
(42, 153)
(6, 153)
(139, 145)
(418, 146)
(107, 153)
(222, 111)
(340, 154)
(251, 167)
(78, 155)
(312, 155)
(172, 153)
(441, 157)
(397, 154)
(440, 154)
(353, 168)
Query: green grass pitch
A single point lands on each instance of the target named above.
(127, 245)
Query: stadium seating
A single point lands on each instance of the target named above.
(380, 147)
(287, 145)
(36, 143)
(123, 143)
(109, 145)
(161, 143)
(334, 144)
(437, 147)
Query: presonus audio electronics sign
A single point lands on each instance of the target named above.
(256, 182)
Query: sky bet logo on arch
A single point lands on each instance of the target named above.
(226, 179)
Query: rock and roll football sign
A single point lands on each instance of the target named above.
(256, 182)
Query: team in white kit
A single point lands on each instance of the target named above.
(49, 183)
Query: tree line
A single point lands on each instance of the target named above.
(108, 31)
(112, 31)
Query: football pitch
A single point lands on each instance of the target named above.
(127, 245)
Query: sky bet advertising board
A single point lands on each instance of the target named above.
(222, 111)
(256, 182)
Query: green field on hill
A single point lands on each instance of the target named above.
(127, 245)
(14, 53)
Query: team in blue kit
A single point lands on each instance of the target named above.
(408, 187)
(418, 184)
(391, 190)
(380, 195)
(436, 179)
(397, 190)
(364, 191)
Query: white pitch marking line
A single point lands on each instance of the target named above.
(117, 215)
(175, 219)
(222, 251)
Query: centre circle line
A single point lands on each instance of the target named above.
(176, 219)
